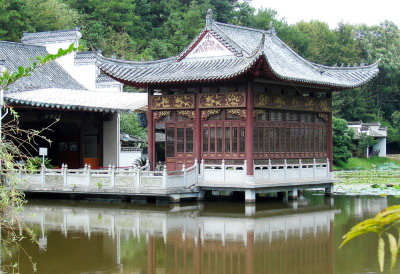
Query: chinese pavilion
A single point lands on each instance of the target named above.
(237, 93)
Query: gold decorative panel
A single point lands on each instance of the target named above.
(292, 102)
(191, 114)
(185, 101)
(222, 100)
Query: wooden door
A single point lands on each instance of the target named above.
(68, 148)
(179, 145)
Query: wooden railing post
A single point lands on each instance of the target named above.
(223, 170)
(300, 168)
(269, 169)
(285, 170)
(64, 171)
(314, 168)
(113, 176)
(165, 178)
(184, 174)
(42, 170)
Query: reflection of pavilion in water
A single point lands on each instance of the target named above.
(194, 240)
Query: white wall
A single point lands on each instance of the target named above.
(381, 145)
(126, 158)
(111, 141)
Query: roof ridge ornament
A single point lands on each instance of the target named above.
(271, 27)
(209, 18)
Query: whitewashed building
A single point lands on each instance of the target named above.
(73, 90)
(371, 129)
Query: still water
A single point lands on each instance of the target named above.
(274, 236)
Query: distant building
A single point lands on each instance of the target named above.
(72, 89)
(371, 129)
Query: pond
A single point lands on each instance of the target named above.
(274, 236)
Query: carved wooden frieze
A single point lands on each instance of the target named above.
(184, 101)
(222, 100)
(238, 112)
(207, 113)
(159, 114)
(191, 114)
(292, 102)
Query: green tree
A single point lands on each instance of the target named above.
(364, 143)
(129, 124)
(342, 141)
(13, 14)
(47, 15)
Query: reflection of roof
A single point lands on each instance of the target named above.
(51, 75)
(79, 99)
(249, 49)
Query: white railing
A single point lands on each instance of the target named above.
(135, 178)
(224, 173)
(138, 179)
(298, 170)
(270, 172)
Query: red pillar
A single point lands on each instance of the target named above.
(330, 143)
(150, 132)
(197, 129)
(249, 128)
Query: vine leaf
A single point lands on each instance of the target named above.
(393, 250)
(381, 253)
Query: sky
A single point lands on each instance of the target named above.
(370, 12)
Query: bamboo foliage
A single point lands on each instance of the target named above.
(381, 224)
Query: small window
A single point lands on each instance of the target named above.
(205, 140)
(322, 95)
(189, 140)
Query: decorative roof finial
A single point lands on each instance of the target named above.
(209, 17)
(262, 41)
(271, 27)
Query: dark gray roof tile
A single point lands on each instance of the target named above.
(248, 46)
(51, 75)
(51, 36)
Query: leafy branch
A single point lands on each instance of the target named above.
(381, 224)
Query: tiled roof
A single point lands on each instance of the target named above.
(249, 47)
(87, 55)
(51, 36)
(79, 99)
(103, 78)
(51, 75)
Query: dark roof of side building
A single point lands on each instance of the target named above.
(51, 75)
(252, 49)
(47, 36)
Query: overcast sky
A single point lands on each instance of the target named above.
(370, 12)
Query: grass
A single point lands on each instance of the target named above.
(366, 164)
